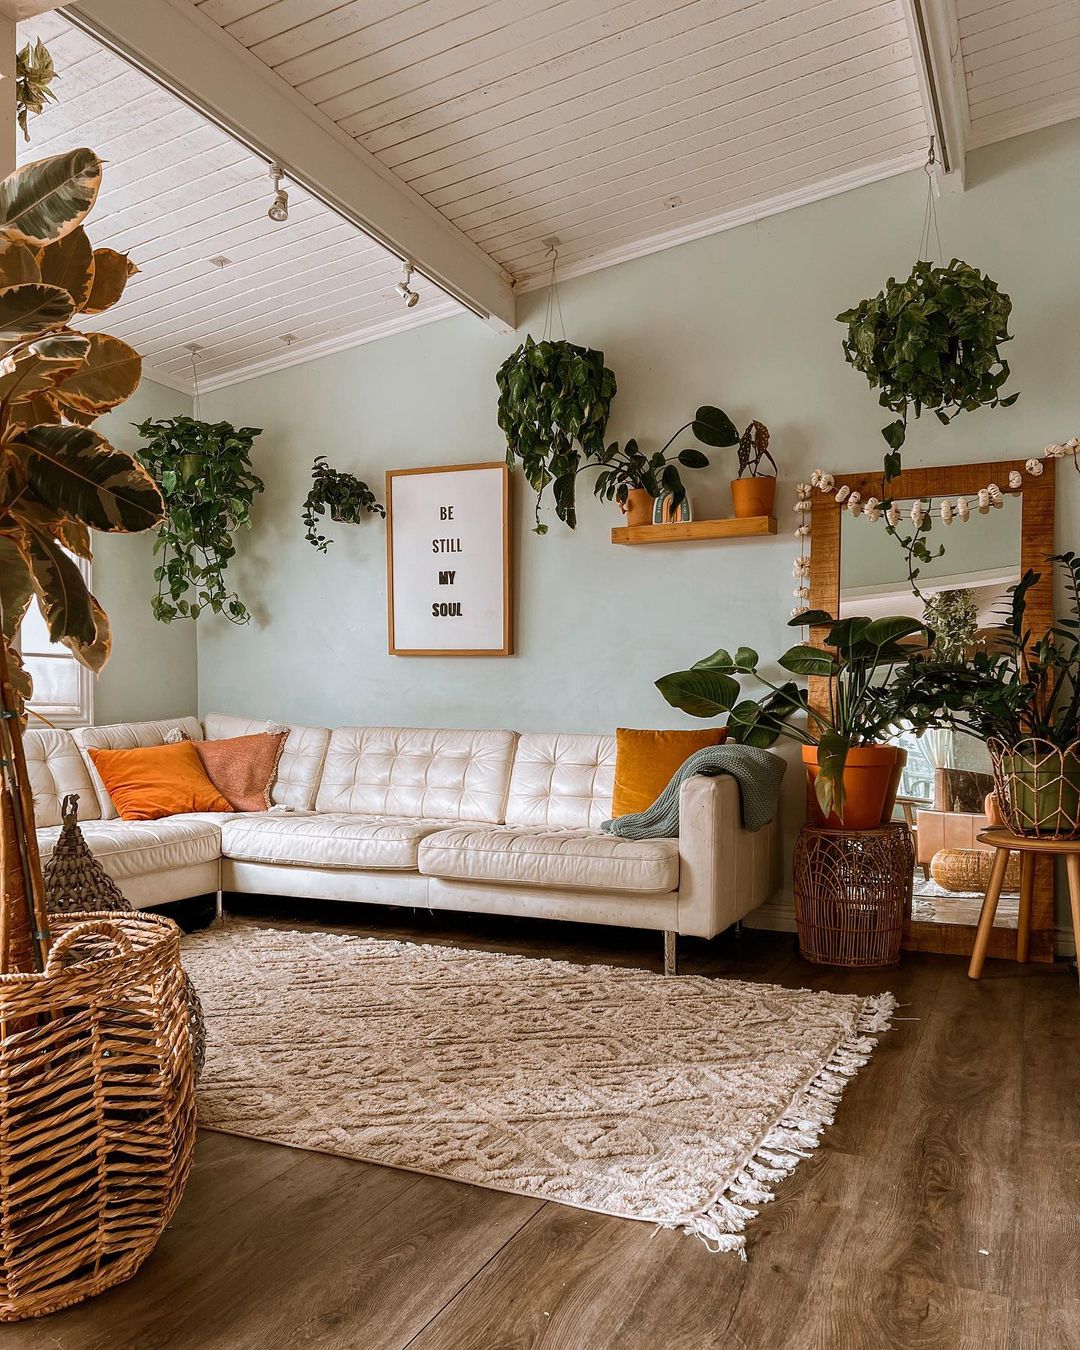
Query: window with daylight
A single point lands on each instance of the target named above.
(63, 689)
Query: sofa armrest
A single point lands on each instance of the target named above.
(725, 871)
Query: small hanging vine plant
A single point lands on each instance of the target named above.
(554, 401)
(931, 341)
(204, 472)
(346, 497)
(34, 74)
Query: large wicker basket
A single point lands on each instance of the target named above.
(97, 1109)
(1037, 785)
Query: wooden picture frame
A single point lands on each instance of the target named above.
(1036, 545)
(442, 507)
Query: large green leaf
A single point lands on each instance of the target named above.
(891, 629)
(94, 654)
(43, 201)
(111, 273)
(701, 693)
(829, 785)
(109, 374)
(32, 308)
(69, 263)
(62, 595)
(713, 427)
(748, 725)
(67, 347)
(18, 263)
(79, 473)
(32, 375)
(16, 586)
(805, 660)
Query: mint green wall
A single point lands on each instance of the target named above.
(744, 319)
(152, 670)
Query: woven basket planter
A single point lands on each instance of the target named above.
(852, 894)
(1038, 787)
(97, 1109)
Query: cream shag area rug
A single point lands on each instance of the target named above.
(678, 1101)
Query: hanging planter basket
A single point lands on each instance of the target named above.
(1037, 785)
(97, 1101)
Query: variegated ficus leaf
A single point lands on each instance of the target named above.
(58, 478)
(43, 201)
(69, 263)
(111, 273)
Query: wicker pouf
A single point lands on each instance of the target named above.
(968, 870)
(852, 894)
(97, 1109)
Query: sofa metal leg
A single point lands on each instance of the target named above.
(219, 911)
(671, 952)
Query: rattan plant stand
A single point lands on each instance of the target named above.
(852, 894)
(97, 1109)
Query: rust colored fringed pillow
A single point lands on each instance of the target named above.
(153, 781)
(646, 760)
(243, 768)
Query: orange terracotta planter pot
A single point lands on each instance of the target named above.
(871, 779)
(638, 507)
(753, 496)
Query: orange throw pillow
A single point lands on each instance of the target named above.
(646, 760)
(157, 780)
(243, 768)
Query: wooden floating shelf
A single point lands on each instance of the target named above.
(734, 527)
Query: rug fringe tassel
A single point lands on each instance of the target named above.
(795, 1136)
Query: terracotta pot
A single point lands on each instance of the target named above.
(753, 496)
(638, 507)
(871, 778)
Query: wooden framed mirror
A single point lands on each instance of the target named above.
(856, 568)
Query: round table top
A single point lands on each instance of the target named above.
(1026, 843)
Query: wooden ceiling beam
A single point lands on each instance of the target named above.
(935, 42)
(174, 43)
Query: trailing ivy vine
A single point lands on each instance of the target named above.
(204, 472)
(346, 497)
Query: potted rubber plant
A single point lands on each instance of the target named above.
(554, 401)
(204, 472)
(1020, 695)
(753, 492)
(854, 773)
(347, 498)
(932, 341)
(635, 480)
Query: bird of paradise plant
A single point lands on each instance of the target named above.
(59, 478)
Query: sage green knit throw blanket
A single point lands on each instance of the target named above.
(757, 772)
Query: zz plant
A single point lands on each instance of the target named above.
(205, 475)
(59, 478)
(346, 497)
(554, 401)
(931, 341)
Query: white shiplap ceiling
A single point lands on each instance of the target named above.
(616, 126)
(178, 192)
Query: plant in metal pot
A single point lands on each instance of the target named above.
(1020, 694)
(634, 479)
(346, 497)
(931, 341)
(59, 478)
(853, 771)
(554, 401)
(205, 475)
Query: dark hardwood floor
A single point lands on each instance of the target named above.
(941, 1212)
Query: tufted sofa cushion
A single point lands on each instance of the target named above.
(301, 762)
(564, 781)
(133, 848)
(127, 736)
(331, 840)
(577, 859)
(56, 767)
(424, 773)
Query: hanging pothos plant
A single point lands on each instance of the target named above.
(346, 497)
(554, 400)
(204, 472)
(931, 341)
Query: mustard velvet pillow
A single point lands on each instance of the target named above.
(153, 781)
(646, 760)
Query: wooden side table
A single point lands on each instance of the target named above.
(1005, 842)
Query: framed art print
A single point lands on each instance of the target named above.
(448, 561)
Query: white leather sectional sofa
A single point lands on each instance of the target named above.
(490, 822)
